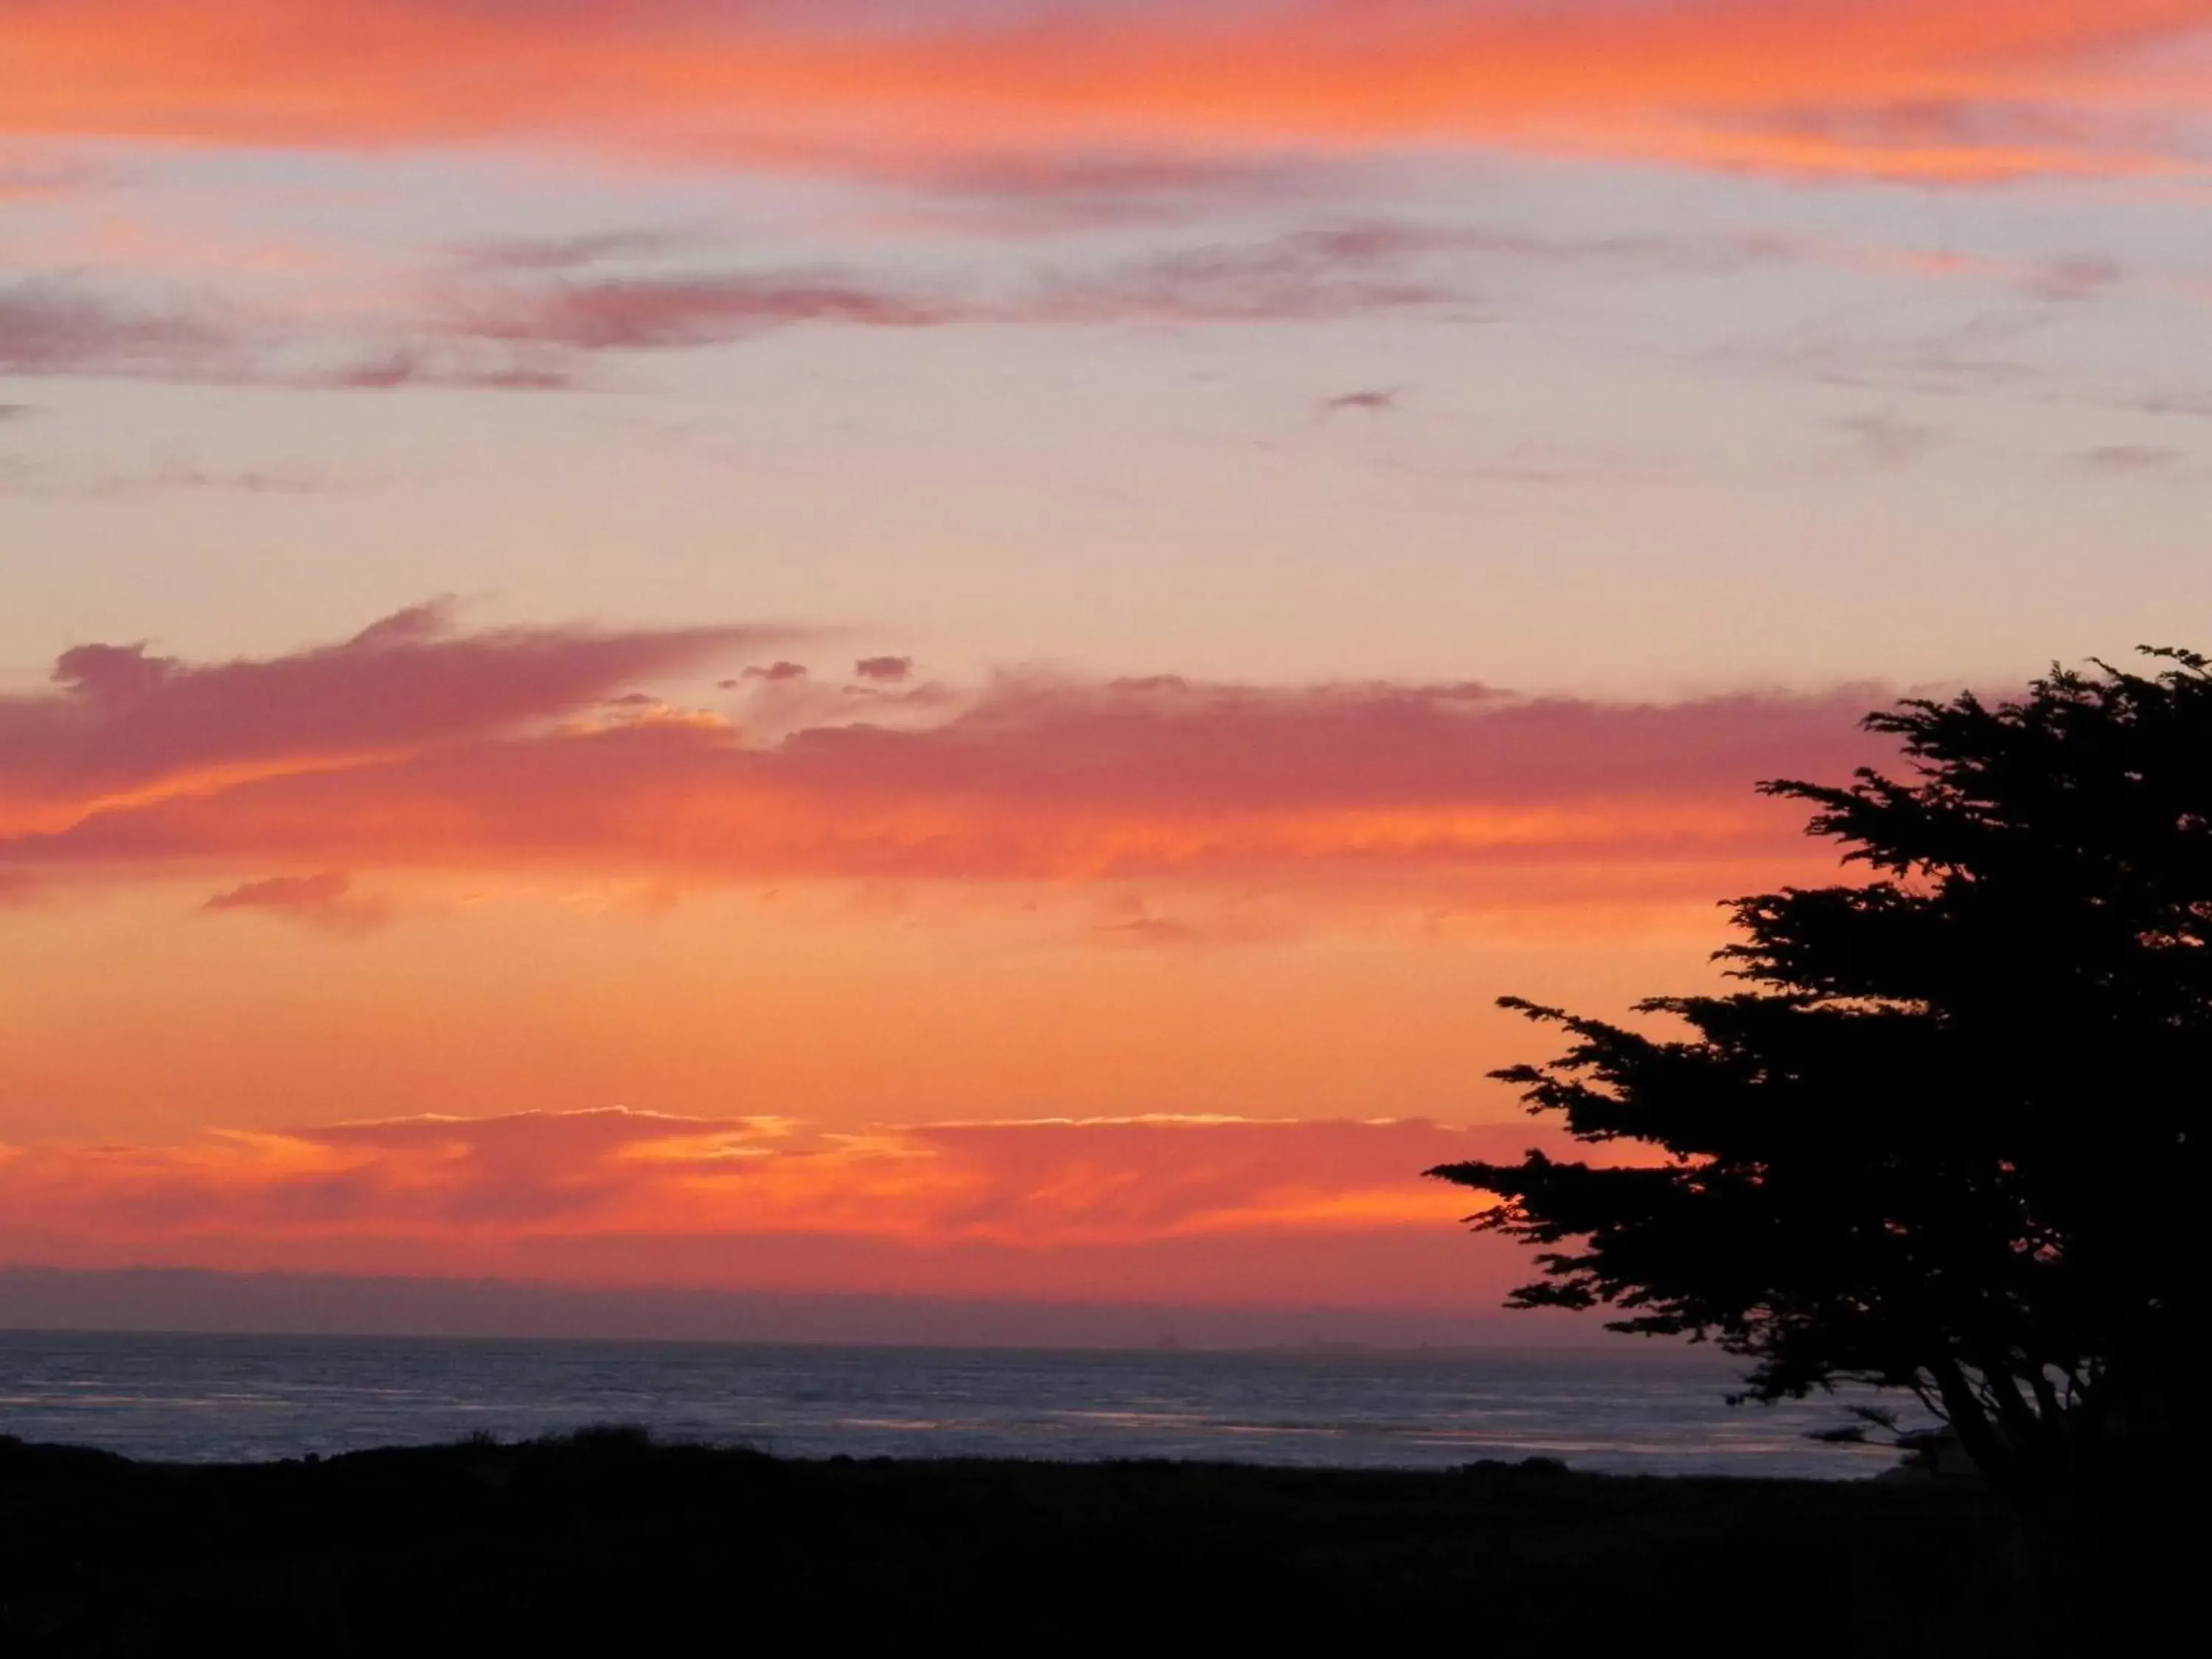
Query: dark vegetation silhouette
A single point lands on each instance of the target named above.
(1946, 1135)
(605, 1542)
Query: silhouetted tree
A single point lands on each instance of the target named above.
(1947, 1136)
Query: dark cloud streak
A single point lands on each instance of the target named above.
(121, 716)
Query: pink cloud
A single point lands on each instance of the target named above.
(121, 719)
(413, 746)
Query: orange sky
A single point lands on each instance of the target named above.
(874, 963)
(1046, 599)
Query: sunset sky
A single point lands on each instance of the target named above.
(949, 647)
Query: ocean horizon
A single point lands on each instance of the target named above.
(201, 1397)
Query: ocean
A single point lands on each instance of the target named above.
(1627, 1409)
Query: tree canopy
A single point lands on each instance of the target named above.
(1944, 1136)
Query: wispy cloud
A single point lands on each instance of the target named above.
(121, 720)
(660, 314)
(169, 477)
(2150, 463)
(533, 317)
(1332, 271)
(72, 325)
(581, 311)
(440, 364)
(2135, 459)
(1372, 400)
(1884, 438)
(538, 255)
(766, 1202)
(58, 327)
(326, 900)
(1947, 90)
(1013, 193)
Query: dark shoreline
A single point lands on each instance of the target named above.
(607, 1539)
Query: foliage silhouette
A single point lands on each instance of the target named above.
(609, 1543)
(1946, 1138)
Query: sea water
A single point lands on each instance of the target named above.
(1624, 1409)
